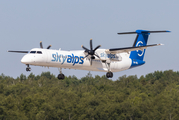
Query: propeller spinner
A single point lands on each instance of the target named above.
(91, 52)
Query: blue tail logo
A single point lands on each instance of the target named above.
(140, 52)
(141, 40)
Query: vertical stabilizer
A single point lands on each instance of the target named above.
(137, 56)
(141, 40)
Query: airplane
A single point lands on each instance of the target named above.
(105, 60)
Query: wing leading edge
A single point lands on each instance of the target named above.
(128, 49)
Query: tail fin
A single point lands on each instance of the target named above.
(141, 40)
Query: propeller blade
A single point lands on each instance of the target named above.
(97, 47)
(18, 51)
(86, 49)
(91, 62)
(97, 56)
(49, 46)
(41, 46)
(91, 46)
(85, 56)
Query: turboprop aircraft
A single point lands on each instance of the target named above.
(105, 60)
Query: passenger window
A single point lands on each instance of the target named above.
(32, 51)
(39, 52)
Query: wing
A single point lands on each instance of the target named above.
(128, 49)
(18, 51)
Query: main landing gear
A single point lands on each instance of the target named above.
(61, 76)
(109, 74)
(28, 68)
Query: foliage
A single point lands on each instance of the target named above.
(44, 97)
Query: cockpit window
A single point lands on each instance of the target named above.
(32, 51)
(39, 52)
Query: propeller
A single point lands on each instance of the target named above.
(41, 46)
(91, 52)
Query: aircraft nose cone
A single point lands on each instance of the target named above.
(23, 60)
(26, 60)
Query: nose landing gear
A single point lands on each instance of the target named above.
(28, 68)
(61, 76)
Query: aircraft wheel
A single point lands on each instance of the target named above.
(61, 76)
(109, 74)
(28, 69)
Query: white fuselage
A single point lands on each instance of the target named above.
(74, 60)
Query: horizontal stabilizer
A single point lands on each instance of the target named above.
(142, 31)
(128, 49)
(18, 51)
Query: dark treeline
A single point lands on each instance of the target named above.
(44, 97)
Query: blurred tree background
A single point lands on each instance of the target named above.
(44, 97)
